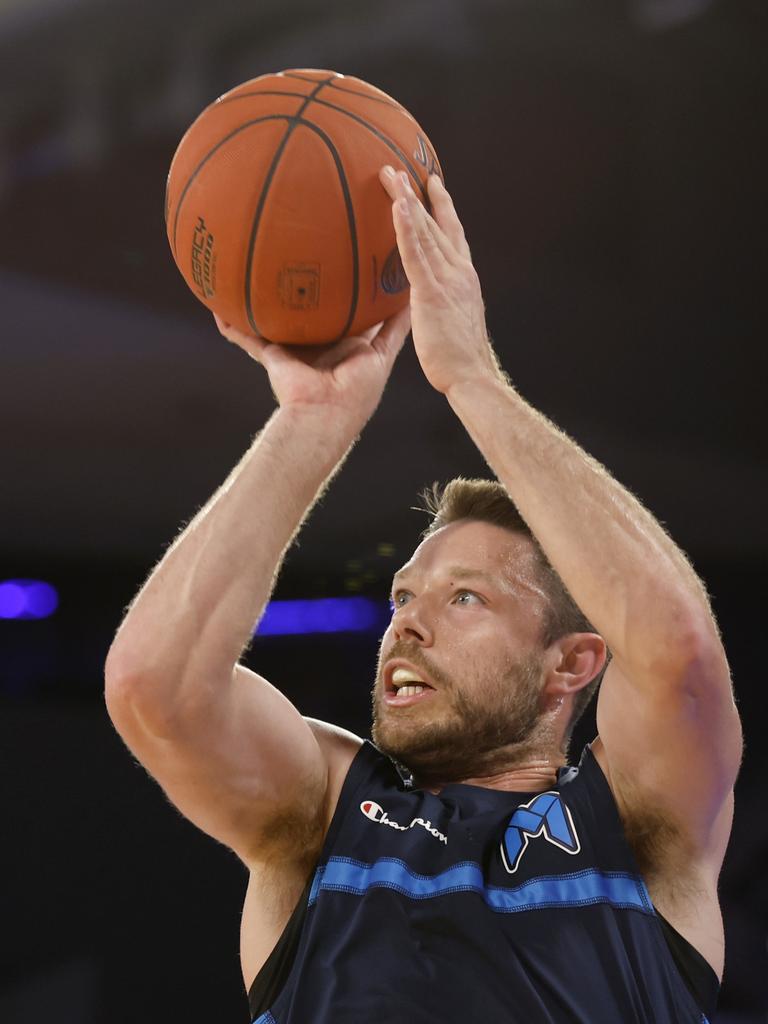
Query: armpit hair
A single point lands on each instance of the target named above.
(664, 853)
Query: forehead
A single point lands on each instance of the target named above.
(476, 546)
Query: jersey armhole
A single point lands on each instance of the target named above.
(696, 972)
(699, 975)
(269, 982)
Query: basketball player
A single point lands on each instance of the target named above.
(458, 870)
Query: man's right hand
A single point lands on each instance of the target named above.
(347, 376)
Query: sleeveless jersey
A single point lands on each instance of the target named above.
(477, 905)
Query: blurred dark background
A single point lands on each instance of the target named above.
(607, 160)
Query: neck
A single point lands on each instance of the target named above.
(535, 777)
(520, 771)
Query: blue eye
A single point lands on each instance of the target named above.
(466, 593)
(396, 601)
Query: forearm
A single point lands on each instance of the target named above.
(189, 623)
(626, 574)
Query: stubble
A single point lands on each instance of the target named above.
(483, 725)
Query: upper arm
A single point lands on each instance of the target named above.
(244, 766)
(672, 740)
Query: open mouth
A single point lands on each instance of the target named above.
(404, 685)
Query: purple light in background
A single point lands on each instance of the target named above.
(27, 599)
(325, 615)
(12, 600)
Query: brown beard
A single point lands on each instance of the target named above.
(480, 733)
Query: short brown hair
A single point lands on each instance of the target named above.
(488, 502)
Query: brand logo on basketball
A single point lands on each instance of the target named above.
(203, 260)
(393, 279)
(375, 812)
(425, 155)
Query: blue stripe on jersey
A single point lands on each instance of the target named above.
(581, 888)
(265, 1018)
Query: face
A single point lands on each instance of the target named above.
(468, 614)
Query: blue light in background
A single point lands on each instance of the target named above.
(325, 615)
(33, 599)
(27, 599)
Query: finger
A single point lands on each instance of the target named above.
(446, 216)
(388, 178)
(232, 333)
(252, 344)
(372, 332)
(391, 338)
(433, 240)
(416, 263)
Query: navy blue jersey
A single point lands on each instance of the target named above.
(478, 905)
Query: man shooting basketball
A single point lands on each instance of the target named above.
(468, 875)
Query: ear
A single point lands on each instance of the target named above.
(574, 661)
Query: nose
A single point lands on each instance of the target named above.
(412, 623)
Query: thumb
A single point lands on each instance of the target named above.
(371, 333)
(390, 339)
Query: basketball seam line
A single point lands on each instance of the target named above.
(285, 92)
(210, 153)
(365, 96)
(355, 117)
(351, 92)
(351, 220)
(263, 199)
(296, 120)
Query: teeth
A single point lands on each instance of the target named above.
(409, 691)
(405, 675)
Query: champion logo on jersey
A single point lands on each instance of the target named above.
(375, 812)
(545, 815)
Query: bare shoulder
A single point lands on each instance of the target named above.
(339, 747)
(279, 875)
(679, 871)
(297, 833)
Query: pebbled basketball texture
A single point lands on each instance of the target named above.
(274, 211)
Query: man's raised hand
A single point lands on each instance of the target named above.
(447, 310)
(347, 376)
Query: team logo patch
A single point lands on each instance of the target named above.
(545, 815)
(375, 812)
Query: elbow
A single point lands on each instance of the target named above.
(690, 642)
(125, 692)
(119, 675)
(164, 698)
(706, 667)
(708, 690)
(705, 647)
(131, 672)
(137, 707)
(705, 680)
(133, 695)
(124, 675)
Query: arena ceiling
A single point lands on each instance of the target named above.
(607, 164)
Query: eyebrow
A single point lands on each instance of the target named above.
(458, 572)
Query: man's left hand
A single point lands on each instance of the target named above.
(447, 310)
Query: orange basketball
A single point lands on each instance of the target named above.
(275, 213)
